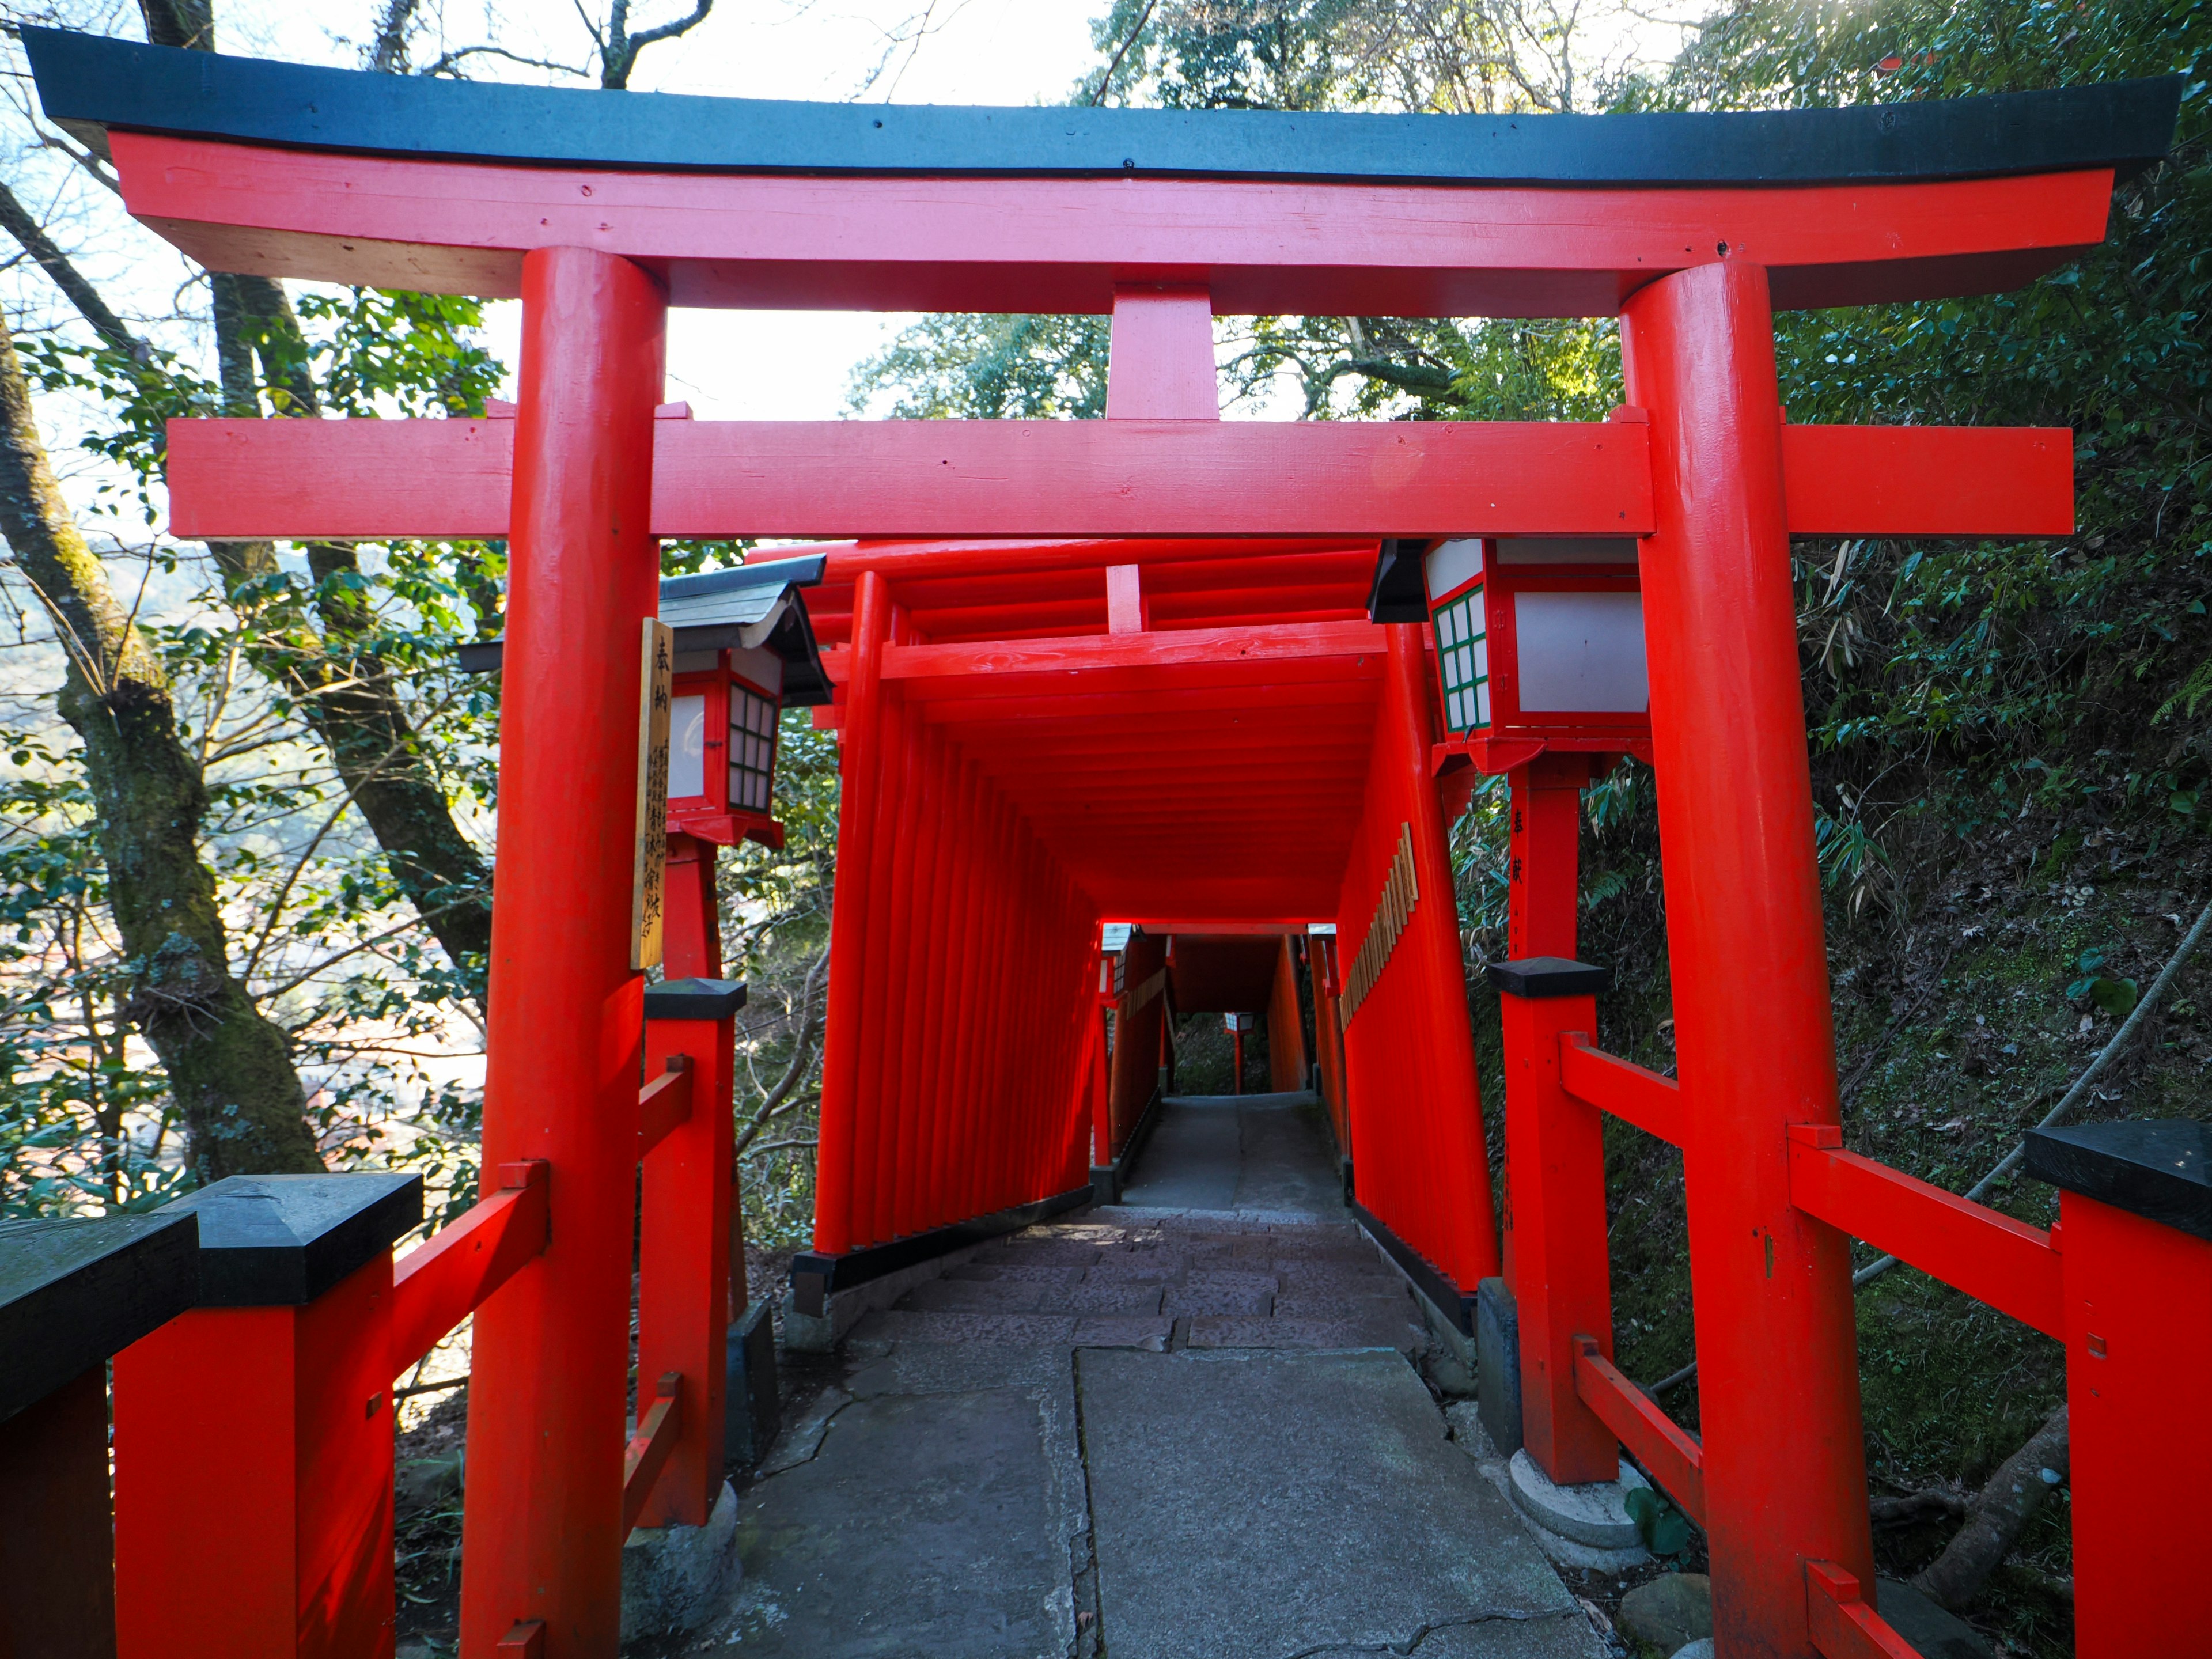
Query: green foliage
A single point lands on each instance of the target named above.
(1664, 1529)
(964, 367)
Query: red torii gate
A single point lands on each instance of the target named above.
(600, 213)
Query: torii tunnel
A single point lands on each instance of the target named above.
(1202, 677)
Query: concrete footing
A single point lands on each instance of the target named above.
(1594, 1518)
(675, 1579)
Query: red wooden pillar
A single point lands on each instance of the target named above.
(1544, 894)
(1555, 1151)
(683, 1241)
(691, 937)
(550, 1365)
(839, 1157)
(1785, 1464)
(2135, 1238)
(1436, 988)
(1543, 906)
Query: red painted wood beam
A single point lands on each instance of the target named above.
(240, 479)
(1014, 245)
(237, 479)
(2009, 1265)
(1841, 1622)
(971, 559)
(1652, 1103)
(1675, 1461)
(441, 1283)
(1093, 652)
(648, 1448)
(663, 1104)
(1352, 687)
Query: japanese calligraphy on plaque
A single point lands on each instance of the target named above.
(649, 874)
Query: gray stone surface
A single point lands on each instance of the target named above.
(1672, 1611)
(1266, 1155)
(1700, 1649)
(842, 1309)
(678, 1578)
(1260, 1505)
(1934, 1633)
(926, 1524)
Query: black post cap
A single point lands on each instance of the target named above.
(75, 1292)
(694, 999)
(2160, 1170)
(1548, 976)
(280, 1240)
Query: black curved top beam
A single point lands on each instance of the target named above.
(88, 83)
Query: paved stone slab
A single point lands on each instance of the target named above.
(976, 1295)
(1234, 1333)
(1036, 1274)
(924, 1525)
(1151, 1333)
(1550, 1636)
(898, 1325)
(1217, 1481)
(1124, 1301)
(1252, 1301)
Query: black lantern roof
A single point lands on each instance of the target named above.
(753, 607)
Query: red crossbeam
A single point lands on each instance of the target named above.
(647, 1454)
(242, 479)
(437, 1286)
(1674, 1460)
(663, 1104)
(901, 478)
(1992, 1258)
(1028, 245)
(1093, 652)
(1839, 1621)
(1652, 1103)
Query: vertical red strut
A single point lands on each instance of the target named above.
(1785, 1467)
(844, 1160)
(551, 1363)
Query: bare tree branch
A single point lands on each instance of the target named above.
(16, 219)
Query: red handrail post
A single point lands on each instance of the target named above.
(549, 1368)
(282, 1549)
(1785, 1463)
(2135, 1242)
(683, 1309)
(1555, 1147)
(1544, 894)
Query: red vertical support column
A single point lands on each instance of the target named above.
(551, 1366)
(1544, 895)
(860, 762)
(1784, 1464)
(876, 1079)
(931, 967)
(1543, 903)
(905, 1092)
(691, 939)
(1555, 1152)
(683, 1235)
(1462, 1162)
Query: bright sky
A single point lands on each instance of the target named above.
(744, 365)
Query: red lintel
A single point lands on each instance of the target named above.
(1992, 1258)
(438, 1284)
(1026, 245)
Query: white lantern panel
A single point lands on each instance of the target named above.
(1452, 564)
(1582, 653)
(687, 746)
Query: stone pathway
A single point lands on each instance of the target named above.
(1152, 1431)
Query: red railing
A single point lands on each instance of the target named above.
(2127, 1296)
(273, 1557)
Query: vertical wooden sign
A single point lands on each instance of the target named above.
(649, 873)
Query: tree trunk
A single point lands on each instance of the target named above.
(229, 1068)
(346, 692)
(2006, 1504)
